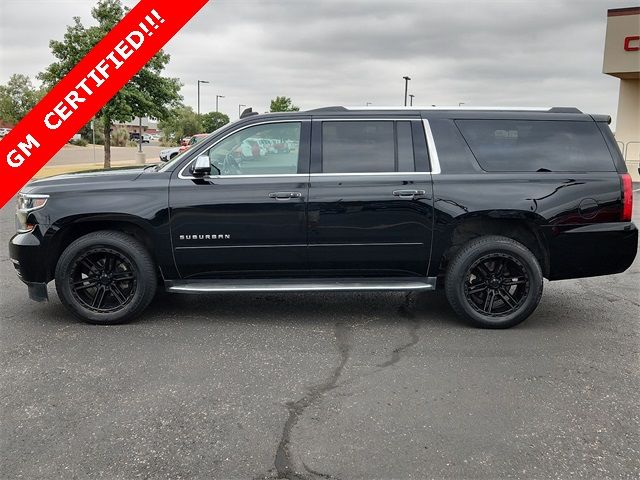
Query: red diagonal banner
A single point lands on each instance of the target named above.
(88, 87)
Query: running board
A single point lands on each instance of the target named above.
(301, 285)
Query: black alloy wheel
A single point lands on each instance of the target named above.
(106, 277)
(494, 282)
(103, 280)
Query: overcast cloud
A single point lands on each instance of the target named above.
(349, 52)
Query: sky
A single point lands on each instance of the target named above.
(350, 52)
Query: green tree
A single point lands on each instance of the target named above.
(283, 104)
(17, 97)
(181, 122)
(148, 93)
(212, 121)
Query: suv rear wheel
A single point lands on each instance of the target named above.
(106, 277)
(494, 282)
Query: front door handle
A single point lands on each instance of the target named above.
(408, 194)
(285, 195)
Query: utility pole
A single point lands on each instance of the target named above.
(240, 110)
(411, 97)
(199, 82)
(406, 89)
(218, 97)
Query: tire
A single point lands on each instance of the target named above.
(106, 278)
(509, 271)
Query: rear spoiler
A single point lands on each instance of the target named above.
(602, 119)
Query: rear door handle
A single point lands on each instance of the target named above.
(408, 194)
(285, 195)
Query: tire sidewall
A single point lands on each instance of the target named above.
(130, 251)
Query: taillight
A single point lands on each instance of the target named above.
(627, 197)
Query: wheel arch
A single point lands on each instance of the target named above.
(64, 232)
(518, 225)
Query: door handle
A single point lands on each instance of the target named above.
(408, 194)
(285, 195)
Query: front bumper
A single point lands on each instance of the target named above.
(29, 259)
(591, 250)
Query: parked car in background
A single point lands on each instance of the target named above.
(169, 154)
(4, 131)
(483, 203)
(147, 138)
(135, 137)
(258, 149)
(193, 140)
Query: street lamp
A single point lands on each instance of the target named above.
(240, 110)
(411, 97)
(199, 82)
(369, 103)
(406, 89)
(460, 104)
(217, 97)
(140, 156)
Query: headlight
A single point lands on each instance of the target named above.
(28, 202)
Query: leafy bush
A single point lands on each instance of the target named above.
(119, 137)
(80, 142)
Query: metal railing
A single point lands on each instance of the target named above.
(631, 153)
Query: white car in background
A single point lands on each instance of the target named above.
(4, 131)
(169, 154)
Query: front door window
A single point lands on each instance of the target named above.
(269, 149)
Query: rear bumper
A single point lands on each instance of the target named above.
(591, 250)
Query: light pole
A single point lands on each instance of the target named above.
(218, 97)
(199, 82)
(240, 110)
(460, 104)
(411, 97)
(93, 135)
(140, 156)
(406, 89)
(369, 103)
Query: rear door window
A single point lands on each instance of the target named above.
(537, 145)
(367, 146)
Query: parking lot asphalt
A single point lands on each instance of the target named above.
(322, 386)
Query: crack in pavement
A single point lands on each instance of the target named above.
(319, 474)
(343, 334)
(284, 462)
(405, 310)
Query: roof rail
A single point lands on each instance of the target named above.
(329, 109)
(456, 107)
(564, 110)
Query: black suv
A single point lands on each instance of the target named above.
(482, 202)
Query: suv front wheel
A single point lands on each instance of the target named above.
(106, 277)
(494, 282)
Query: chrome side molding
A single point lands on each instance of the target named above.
(302, 285)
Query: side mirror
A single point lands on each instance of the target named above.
(202, 166)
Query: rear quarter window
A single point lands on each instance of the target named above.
(537, 145)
